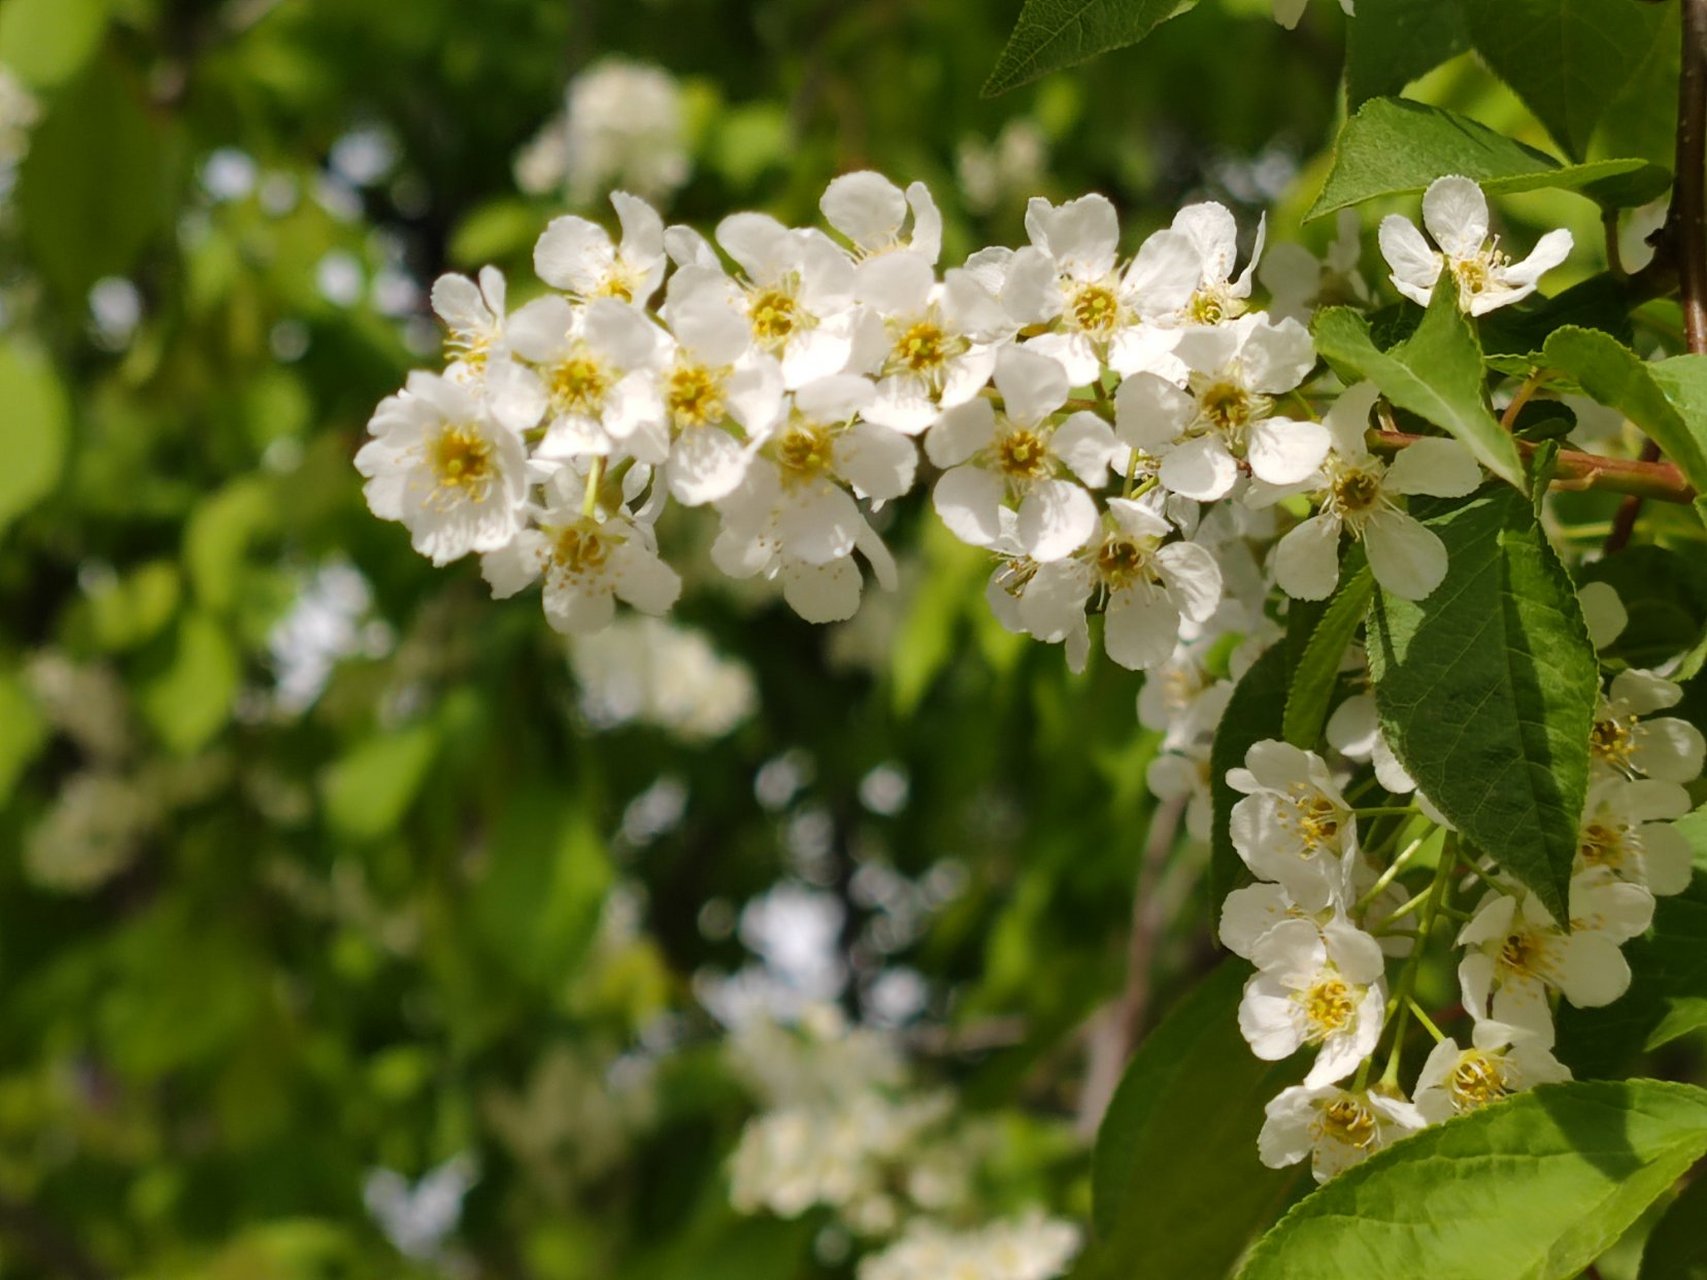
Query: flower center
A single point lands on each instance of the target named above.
(773, 315)
(1477, 273)
(1227, 406)
(1095, 309)
(1316, 818)
(694, 395)
(1521, 953)
(923, 348)
(806, 452)
(619, 284)
(1329, 1006)
(579, 550)
(578, 385)
(470, 346)
(1123, 560)
(462, 459)
(1349, 1121)
(1613, 740)
(1355, 492)
(1212, 306)
(1601, 845)
(1476, 1081)
(1022, 454)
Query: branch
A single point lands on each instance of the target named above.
(1642, 478)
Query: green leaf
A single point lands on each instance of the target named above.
(1487, 688)
(96, 140)
(1664, 594)
(1677, 1246)
(1567, 59)
(367, 792)
(218, 536)
(1193, 1086)
(1052, 34)
(1436, 373)
(1532, 1188)
(1318, 670)
(1257, 710)
(186, 697)
(46, 42)
(23, 731)
(1395, 41)
(1650, 395)
(1395, 147)
(34, 429)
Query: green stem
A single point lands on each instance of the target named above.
(1427, 1023)
(1387, 877)
(1399, 1008)
(595, 477)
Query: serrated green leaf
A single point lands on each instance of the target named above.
(1532, 1188)
(1487, 688)
(1052, 34)
(1193, 1085)
(1664, 594)
(1394, 147)
(1649, 394)
(1318, 670)
(34, 429)
(1568, 60)
(1677, 1246)
(1257, 710)
(1395, 41)
(1436, 373)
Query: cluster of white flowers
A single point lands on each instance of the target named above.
(1318, 923)
(1118, 434)
(845, 1130)
(624, 125)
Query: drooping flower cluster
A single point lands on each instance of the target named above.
(1323, 917)
(1115, 432)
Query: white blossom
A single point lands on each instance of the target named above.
(1293, 826)
(1627, 829)
(1501, 1060)
(579, 257)
(1332, 1127)
(1317, 986)
(1456, 214)
(1627, 739)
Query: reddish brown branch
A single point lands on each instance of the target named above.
(1575, 470)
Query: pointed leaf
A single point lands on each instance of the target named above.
(1318, 670)
(1393, 146)
(1532, 1188)
(1052, 34)
(1435, 373)
(1487, 688)
(1395, 41)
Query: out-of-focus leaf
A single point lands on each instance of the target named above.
(34, 429)
(217, 538)
(367, 792)
(1677, 1246)
(1567, 59)
(1052, 34)
(186, 696)
(45, 42)
(23, 732)
(1194, 1085)
(1394, 146)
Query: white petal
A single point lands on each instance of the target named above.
(961, 432)
(1415, 265)
(1552, 249)
(1456, 214)
(878, 462)
(1406, 558)
(865, 207)
(573, 254)
(1086, 444)
(819, 525)
(1214, 234)
(1055, 519)
(706, 465)
(896, 284)
(1141, 627)
(1286, 452)
(1032, 386)
(1604, 613)
(1150, 411)
(1307, 559)
(1164, 274)
(968, 499)
(1201, 469)
(822, 593)
(1438, 467)
(1276, 356)
(1192, 578)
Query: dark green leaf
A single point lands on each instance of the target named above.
(1436, 373)
(1396, 147)
(1395, 41)
(1052, 34)
(1567, 59)
(1487, 688)
(1532, 1188)
(1318, 670)
(1677, 1246)
(1193, 1086)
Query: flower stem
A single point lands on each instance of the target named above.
(1399, 1008)
(1427, 1022)
(1386, 878)
(595, 477)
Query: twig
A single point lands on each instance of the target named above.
(1118, 1030)
(1575, 470)
(1685, 230)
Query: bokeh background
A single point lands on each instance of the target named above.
(350, 923)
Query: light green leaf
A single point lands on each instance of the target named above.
(1052, 34)
(1677, 1246)
(46, 42)
(96, 140)
(1193, 1086)
(1395, 41)
(1318, 670)
(34, 429)
(367, 792)
(218, 535)
(1487, 689)
(187, 697)
(23, 731)
(1436, 373)
(1257, 710)
(1567, 59)
(1650, 395)
(1532, 1188)
(1394, 147)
